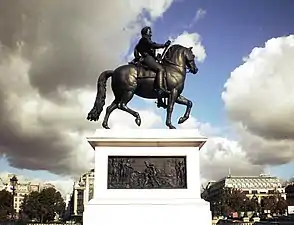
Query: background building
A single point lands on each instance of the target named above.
(83, 191)
(289, 189)
(23, 187)
(259, 186)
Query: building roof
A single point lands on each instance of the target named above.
(250, 182)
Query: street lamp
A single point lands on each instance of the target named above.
(245, 208)
(13, 183)
(255, 200)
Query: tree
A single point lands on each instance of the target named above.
(281, 205)
(268, 203)
(253, 205)
(228, 200)
(237, 200)
(52, 203)
(30, 207)
(6, 204)
(43, 206)
(275, 203)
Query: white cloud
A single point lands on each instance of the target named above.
(191, 40)
(121, 120)
(64, 185)
(259, 98)
(48, 69)
(154, 7)
(220, 155)
(48, 63)
(200, 14)
(205, 129)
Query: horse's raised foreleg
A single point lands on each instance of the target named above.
(109, 110)
(122, 105)
(183, 101)
(170, 107)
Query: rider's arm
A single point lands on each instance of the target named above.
(153, 44)
(156, 45)
(136, 53)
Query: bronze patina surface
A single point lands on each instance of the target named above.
(148, 76)
(147, 172)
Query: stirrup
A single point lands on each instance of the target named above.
(162, 91)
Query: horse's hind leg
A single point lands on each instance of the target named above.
(109, 110)
(122, 105)
(183, 101)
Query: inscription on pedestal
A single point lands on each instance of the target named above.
(147, 172)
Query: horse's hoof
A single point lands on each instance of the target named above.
(170, 126)
(182, 120)
(138, 121)
(93, 115)
(91, 118)
(104, 125)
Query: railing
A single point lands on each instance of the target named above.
(230, 222)
(33, 223)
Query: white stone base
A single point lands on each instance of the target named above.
(151, 212)
(147, 206)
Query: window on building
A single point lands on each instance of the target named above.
(246, 192)
(254, 191)
(271, 191)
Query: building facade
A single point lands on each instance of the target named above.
(289, 189)
(23, 188)
(83, 191)
(257, 186)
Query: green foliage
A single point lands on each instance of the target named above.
(231, 200)
(228, 200)
(281, 205)
(275, 203)
(252, 205)
(43, 206)
(6, 204)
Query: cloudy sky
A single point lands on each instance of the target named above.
(51, 53)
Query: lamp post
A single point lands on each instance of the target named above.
(245, 208)
(13, 183)
(255, 200)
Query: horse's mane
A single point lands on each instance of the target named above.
(173, 52)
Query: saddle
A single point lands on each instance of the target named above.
(144, 71)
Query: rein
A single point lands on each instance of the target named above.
(172, 63)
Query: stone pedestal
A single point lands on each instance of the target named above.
(171, 196)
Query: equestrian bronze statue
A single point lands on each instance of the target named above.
(148, 76)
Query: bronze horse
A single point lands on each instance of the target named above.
(131, 79)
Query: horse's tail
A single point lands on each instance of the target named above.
(100, 96)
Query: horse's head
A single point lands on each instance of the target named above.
(182, 57)
(190, 60)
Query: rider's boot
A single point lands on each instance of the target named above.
(159, 84)
(160, 103)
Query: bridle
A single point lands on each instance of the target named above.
(172, 63)
(179, 66)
